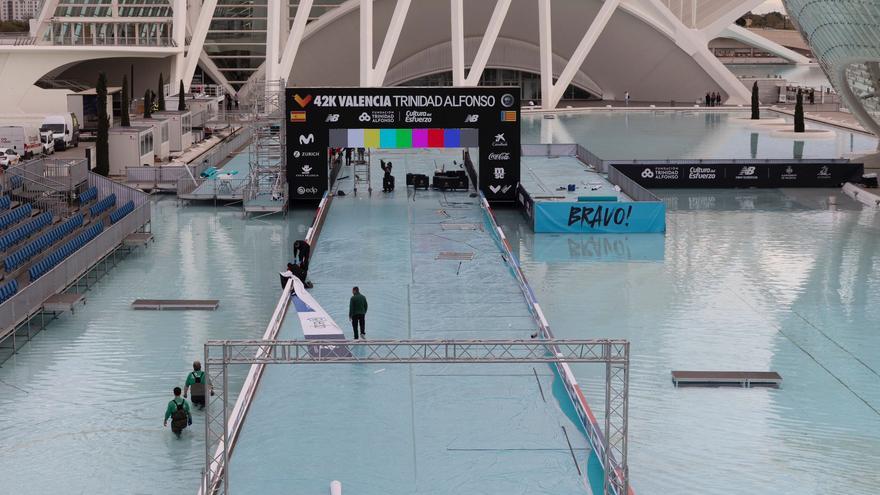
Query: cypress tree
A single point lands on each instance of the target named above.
(799, 113)
(756, 112)
(181, 98)
(148, 105)
(125, 102)
(161, 94)
(102, 144)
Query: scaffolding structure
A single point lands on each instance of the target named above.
(219, 355)
(266, 189)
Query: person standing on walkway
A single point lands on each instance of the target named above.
(198, 382)
(178, 411)
(717, 99)
(302, 252)
(357, 311)
(626, 98)
(708, 103)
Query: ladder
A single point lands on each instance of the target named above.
(361, 170)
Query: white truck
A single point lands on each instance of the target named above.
(64, 128)
(48, 141)
(25, 140)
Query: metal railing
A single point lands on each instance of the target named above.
(633, 189)
(611, 442)
(221, 431)
(30, 299)
(18, 40)
(174, 177)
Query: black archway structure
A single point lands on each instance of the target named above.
(487, 118)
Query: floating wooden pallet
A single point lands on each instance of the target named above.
(726, 378)
(455, 256)
(60, 303)
(177, 304)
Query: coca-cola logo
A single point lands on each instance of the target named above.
(499, 157)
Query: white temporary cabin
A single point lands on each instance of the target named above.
(179, 128)
(130, 147)
(84, 105)
(161, 139)
(203, 108)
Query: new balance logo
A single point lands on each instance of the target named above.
(472, 119)
(333, 117)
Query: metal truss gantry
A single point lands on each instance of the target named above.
(267, 176)
(219, 355)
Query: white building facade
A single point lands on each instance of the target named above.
(657, 50)
(845, 37)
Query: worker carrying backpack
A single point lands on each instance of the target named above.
(179, 418)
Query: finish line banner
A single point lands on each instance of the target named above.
(487, 118)
(734, 175)
(600, 217)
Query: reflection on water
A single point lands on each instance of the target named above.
(750, 280)
(597, 247)
(652, 135)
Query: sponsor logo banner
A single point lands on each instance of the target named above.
(731, 175)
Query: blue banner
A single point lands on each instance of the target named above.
(600, 217)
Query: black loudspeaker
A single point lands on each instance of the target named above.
(420, 181)
(388, 183)
(445, 182)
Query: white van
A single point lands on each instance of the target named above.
(47, 138)
(65, 130)
(25, 140)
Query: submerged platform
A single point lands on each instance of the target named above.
(440, 428)
(60, 303)
(561, 194)
(176, 304)
(726, 378)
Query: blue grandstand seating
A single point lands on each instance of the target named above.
(15, 215)
(121, 212)
(15, 182)
(41, 267)
(8, 290)
(90, 195)
(5, 202)
(102, 206)
(17, 234)
(41, 243)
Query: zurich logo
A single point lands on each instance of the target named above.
(647, 173)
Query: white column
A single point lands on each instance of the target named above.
(178, 34)
(456, 8)
(366, 42)
(390, 43)
(489, 39)
(294, 38)
(273, 14)
(545, 37)
(198, 40)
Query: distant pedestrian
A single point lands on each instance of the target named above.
(235, 98)
(178, 411)
(717, 99)
(197, 383)
(302, 252)
(348, 156)
(626, 98)
(357, 311)
(708, 101)
(812, 96)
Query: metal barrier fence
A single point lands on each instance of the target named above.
(549, 149)
(632, 189)
(231, 422)
(30, 299)
(734, 161)
(171, 176)
(611, 442)
(123, 193)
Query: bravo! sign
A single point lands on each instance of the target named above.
(600, 217)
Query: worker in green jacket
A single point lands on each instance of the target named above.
(357, 310)
(178, 411)
(197, 383)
